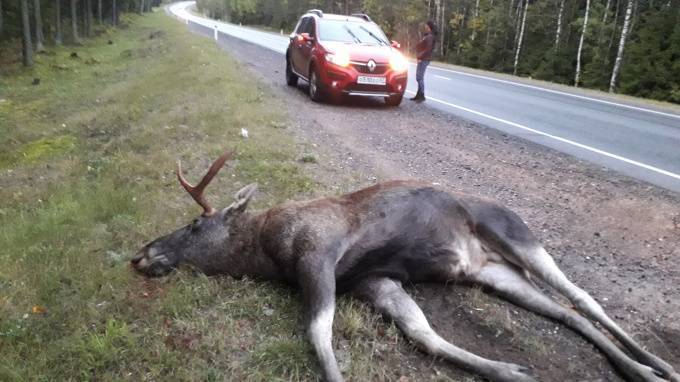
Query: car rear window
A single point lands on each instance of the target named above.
(351, 32)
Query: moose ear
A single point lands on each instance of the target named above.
(243, 196)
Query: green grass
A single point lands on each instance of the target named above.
(86, 178)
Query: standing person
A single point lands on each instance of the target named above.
(424, 48)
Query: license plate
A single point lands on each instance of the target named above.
(366, 80)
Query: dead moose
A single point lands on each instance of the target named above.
(370, 242)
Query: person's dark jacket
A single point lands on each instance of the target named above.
(425, 47)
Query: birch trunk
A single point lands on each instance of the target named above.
(622, 45)
(559, 26)
(58, 37)
(39, 37)
(521, 37)
(606, 12)
(74, 22)
(577, 77)
(26, 44)
(476, 14)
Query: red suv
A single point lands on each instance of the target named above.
(345, 55)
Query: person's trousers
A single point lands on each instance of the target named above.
(420, 75)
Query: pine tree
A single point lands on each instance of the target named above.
(26, 44)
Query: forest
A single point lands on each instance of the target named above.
(34, 25)
(624, 46)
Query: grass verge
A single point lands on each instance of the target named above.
(86, 159)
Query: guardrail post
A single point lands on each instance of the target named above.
(215, 32)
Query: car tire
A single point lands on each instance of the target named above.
(315, 93)
(394, 100)
(291, 78)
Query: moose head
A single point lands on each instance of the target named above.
(205, 241)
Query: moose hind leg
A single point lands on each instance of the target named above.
(542, 264)
(388, 297)
(509, 281)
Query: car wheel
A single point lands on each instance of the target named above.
(394, 100)
(291, 78)
(314, 91)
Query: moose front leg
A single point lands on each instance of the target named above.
(316, 276)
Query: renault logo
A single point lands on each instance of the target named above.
(371, 65)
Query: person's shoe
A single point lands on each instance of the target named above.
(417, 97)
(420, 99)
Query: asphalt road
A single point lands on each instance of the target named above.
(638, 141)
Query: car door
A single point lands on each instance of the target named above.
(297, 44)
(307, 46)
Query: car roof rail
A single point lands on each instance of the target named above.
(362, 16)
(317, 12)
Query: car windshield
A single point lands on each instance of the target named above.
(351, 32)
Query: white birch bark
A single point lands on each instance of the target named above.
(606, 12)
(521, 37)
(577, 77)
(559, 26)
(476, 15)
(622, 45)
(442, 30)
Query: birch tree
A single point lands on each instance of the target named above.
(26, 44)
(622, 45)
(559, 26)
(577, 77)
(39, 37)
(58, 37)
(521, 37)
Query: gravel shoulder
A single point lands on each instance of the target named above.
(616, 237)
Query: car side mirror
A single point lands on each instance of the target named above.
(396, 45)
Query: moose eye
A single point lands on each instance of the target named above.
(195, 225)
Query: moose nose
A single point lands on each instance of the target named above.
(138, 257)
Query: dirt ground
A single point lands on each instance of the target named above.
(616, 237)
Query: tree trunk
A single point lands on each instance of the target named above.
(141, 7)
(577, 77)
(521, 36)
(606, 12)
(39, 37)
(88, 18)
(559, 26)
(0, 18)
(99, 12)
(74, 22)
(26, 44)
(58, 37)
(442, 30)
(114, 13)
(476, 14)
(622, 45)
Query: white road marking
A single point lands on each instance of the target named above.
(442, 77)
(555, 92)
(557, 138)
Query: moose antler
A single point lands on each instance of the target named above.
(196, 192)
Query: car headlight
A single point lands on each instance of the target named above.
(340, 58)
(398, 62)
